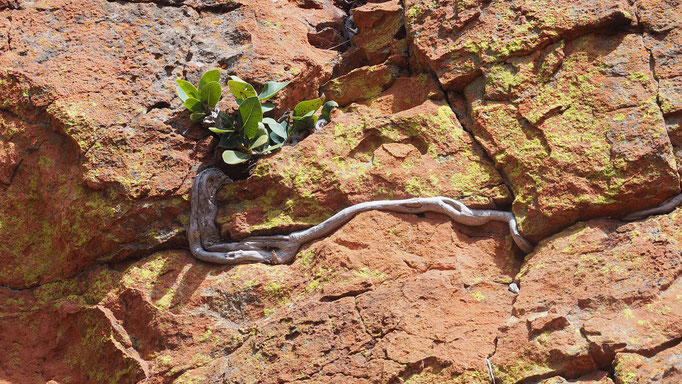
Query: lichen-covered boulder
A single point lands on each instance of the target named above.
(354, 300)
(407, 143)
(592, 292)
(577, 131)
(96, 157)
(664, 367)
(456, 39)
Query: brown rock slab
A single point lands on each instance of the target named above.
(360, 84)
(386, 297)
(598, 377)
(455, 39)
(56, 220)
(378, 24)
(577, 131)
(659, 16)
(591, 292)
(96, 156)
(415, 148)
(421, 306)
(665, 367)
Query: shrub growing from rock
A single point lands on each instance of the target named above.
(249, 133)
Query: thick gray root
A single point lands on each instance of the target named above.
(665, 207)
(204, 236)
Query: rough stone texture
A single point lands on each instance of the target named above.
(456, 38)
(664, 367)
(663, 38)
(403, 145)
(349, 308)
(591, 291)
(564, 103)
(597, 377)
(95, 165)
(378, 24)
(577, 131)
(54, 219)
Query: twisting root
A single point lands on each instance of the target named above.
(665, 207)
(204, 237)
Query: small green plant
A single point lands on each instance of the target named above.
(249, 133)
(201, 100)
(303, 117)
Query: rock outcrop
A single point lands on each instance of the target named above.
(567, 113)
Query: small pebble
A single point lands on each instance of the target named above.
(514, 288)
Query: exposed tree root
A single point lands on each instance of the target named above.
(665, 207)
(204, 237)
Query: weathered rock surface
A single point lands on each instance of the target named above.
(563, 111)
(351, 307)
(594, 290)
(95, 165)
(664, 367)
(405, 144)
(455, 39)
(577, 131)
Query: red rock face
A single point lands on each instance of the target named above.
(585, 108)
(564, 112)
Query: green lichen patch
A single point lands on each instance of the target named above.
(576, 147)
(502, 30)
(360, 84)
(363, 155)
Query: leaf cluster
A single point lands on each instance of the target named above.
(249, 133)
(202, 99)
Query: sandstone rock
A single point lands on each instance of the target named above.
(378, 24)
(577, 131)
(662, 36)
(96, 158)
(351, 305)
(659, 16)
(363, 316)
(415, 148)
(52, 223)
(598, 377)
(360, 84)
(588, 293)
(455, 39)
(663, 367)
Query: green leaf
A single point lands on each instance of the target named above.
(186, 90)
(271, 88)
(260, 141)
(267, 107)
(235, 157)
(224, 121)
(193, 105)
(181, 93)
(251, 112)
(327, 109)
(220, 131)
(197, 117)
(305, 107)
(229, 141)
(240, 88)
(305, 123)
(210, 93)
(276, 138)
(273, 147)
(209, 76)
(275, 127)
